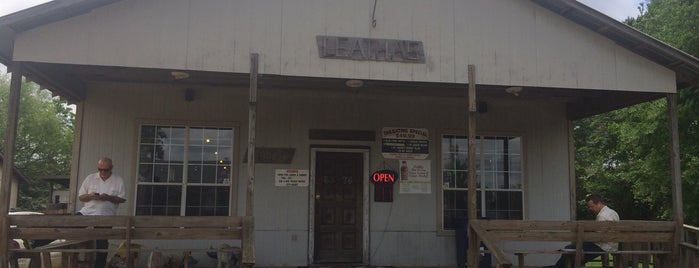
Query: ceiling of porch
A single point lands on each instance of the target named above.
(69, 82)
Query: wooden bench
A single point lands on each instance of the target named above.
(129, 228)
(640, 241)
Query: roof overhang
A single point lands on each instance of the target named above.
(685, 66)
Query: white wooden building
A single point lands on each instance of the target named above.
(345, 88)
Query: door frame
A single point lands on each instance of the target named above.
(365, 199)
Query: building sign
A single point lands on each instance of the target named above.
(370, 49)
(383, 181)
(415, 177)
(404, 143)
(291, 177)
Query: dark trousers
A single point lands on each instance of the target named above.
(100, 257)
(587, 247)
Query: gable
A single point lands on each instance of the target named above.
(512, 42)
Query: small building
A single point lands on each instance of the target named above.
(349, 119)
(17, 178)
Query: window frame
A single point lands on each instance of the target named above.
(440, 173)
(187, 124)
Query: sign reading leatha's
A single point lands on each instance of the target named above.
(370, 49)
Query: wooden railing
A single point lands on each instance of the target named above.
(128, 228)
(689, 247)
(655, 240)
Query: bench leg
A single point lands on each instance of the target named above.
(14, 263)
(605, 260)
(520, 259)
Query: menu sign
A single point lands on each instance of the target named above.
(404, 143)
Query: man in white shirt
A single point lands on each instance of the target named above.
(604, 213)
(102, 192)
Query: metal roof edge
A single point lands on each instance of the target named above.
(675, 58)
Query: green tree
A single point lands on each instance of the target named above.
(624, 154)
(44, 139)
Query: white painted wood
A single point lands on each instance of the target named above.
(513, 42)
(110, 128)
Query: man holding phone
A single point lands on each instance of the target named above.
(102, 192)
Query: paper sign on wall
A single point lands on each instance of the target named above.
(291, 177)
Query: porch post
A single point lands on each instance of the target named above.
(252, 116)
(75, 162)
(8, 163)
(473, 245)
(676, 174)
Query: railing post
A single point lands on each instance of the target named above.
(580, 231)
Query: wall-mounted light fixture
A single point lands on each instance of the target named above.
(179, 75)
(354, 83)
(514, 90)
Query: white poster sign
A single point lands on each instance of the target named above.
(291, 177)
(415, 176)
(405, 143)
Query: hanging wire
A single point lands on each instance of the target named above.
(373, 15)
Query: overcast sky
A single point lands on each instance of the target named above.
(618, 9)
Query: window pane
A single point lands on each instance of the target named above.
(145, 173)
(156, 200)
(498, 169)
(161, 170)
(207, 200)
(194, 173)
(208, 174)
(147, 134)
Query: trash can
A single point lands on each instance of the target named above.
(461, 228)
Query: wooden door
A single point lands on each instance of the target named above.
(338, 207)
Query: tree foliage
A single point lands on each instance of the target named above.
(44, 140)
(624, 154)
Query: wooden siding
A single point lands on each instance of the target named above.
(511, 42)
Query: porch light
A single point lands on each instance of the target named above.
(179, 75)
(514, 90)
(354, 83)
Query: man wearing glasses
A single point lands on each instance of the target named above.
(102, 192)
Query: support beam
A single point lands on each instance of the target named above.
(676, 174)
(252, 117)
(572, 181)
(8, 162)
(473, 241)
(75, 162)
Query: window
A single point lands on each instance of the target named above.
(498, 178)
(184, 170)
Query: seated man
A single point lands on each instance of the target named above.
(604, 213)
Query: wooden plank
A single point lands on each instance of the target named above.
(8, 156)
(472, 202)
(572, 200)
(75, 154)
(186, 234)
(629, 237)
(590, 226)
(185, 221)
(532, 236)
(67, 233)
(527, 225)
(248, 242)
(65, 220)
(489, 242)
(675, 173)
(252, 117)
